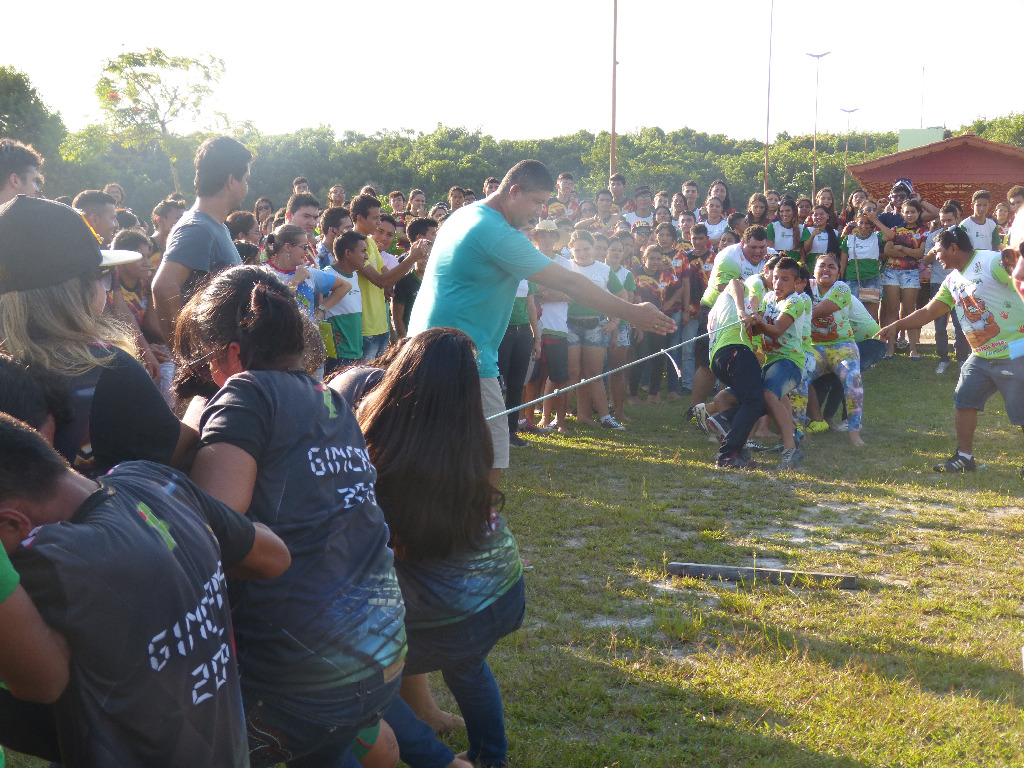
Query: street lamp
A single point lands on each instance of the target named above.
(847, 151)
(814, 163)
(615, 66)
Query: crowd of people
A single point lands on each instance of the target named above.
(301, 412)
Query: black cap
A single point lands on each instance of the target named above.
(44, 243)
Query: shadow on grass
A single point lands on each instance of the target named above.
(565, 708)
(934, 671)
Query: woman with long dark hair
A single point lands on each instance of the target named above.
(320, 647)
(457, 562)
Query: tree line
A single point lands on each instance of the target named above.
(137, 148)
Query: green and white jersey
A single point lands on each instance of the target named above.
(789, 345)
(990, 311)
(726, 313)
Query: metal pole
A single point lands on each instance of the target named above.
(847, 152)
(615, 66)
(814, 162)
(768, 107)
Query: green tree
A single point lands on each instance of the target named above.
(24, 116)
(142, 94)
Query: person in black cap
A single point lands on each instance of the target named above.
(54, 279)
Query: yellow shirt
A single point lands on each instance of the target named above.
(375, 314)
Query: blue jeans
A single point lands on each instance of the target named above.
(674, 338)
(460, 651)
(686, 360)
(374, 346)
(781, 377)
(314, 733)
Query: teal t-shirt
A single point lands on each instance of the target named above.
(474, 270)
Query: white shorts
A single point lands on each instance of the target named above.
(494, 402)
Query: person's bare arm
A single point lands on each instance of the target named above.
(933, 310)
(227, 473)
(398, 317)
(185, 451)
(167, 284)
(531, 310)
(34, 657)
(1018, 276)
(930, 212)
(824, 307)
(773, 330)
(646, 316)
(338, 291)
(268, 558)
(389, 277)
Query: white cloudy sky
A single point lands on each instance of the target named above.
(536, 68)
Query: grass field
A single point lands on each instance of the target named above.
(619, 664)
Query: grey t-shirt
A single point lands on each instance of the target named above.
(201, 244)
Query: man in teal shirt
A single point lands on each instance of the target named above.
(477, 261)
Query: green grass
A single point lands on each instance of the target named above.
(619, 664)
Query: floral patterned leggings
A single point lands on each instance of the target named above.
(843, 359)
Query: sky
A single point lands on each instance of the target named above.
(534, 68)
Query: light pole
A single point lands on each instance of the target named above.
(615, 66)
(847, 151)
(768, 107)
(814, 162)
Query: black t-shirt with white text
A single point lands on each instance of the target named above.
(135, 582)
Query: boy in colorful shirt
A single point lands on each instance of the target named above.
(784, 351)
(346, 317)
(991, 314)
(659, 285)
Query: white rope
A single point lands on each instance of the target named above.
(664, 351)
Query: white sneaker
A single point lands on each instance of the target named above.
(609, 422)
(942, 366)
(708, 423)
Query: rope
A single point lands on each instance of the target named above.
(620, 368)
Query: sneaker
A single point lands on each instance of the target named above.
(791, 457)
(842, 426)
(609, 422)
(956, 463)
(525, 425)
(517, 441)
(691, 414)
(755, 446)
(942, 366)
(708, 424)
(717, 428)
(814, 427)
(902, 343)
(698, 414)
(735, 461)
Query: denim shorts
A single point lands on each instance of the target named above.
(982, 377)
(780, 377)
(904, 278)
(588, 337)
(623, 334)
(856, 285)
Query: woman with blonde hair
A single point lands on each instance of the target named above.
(54, 281)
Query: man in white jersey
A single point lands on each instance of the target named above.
(991, 314)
